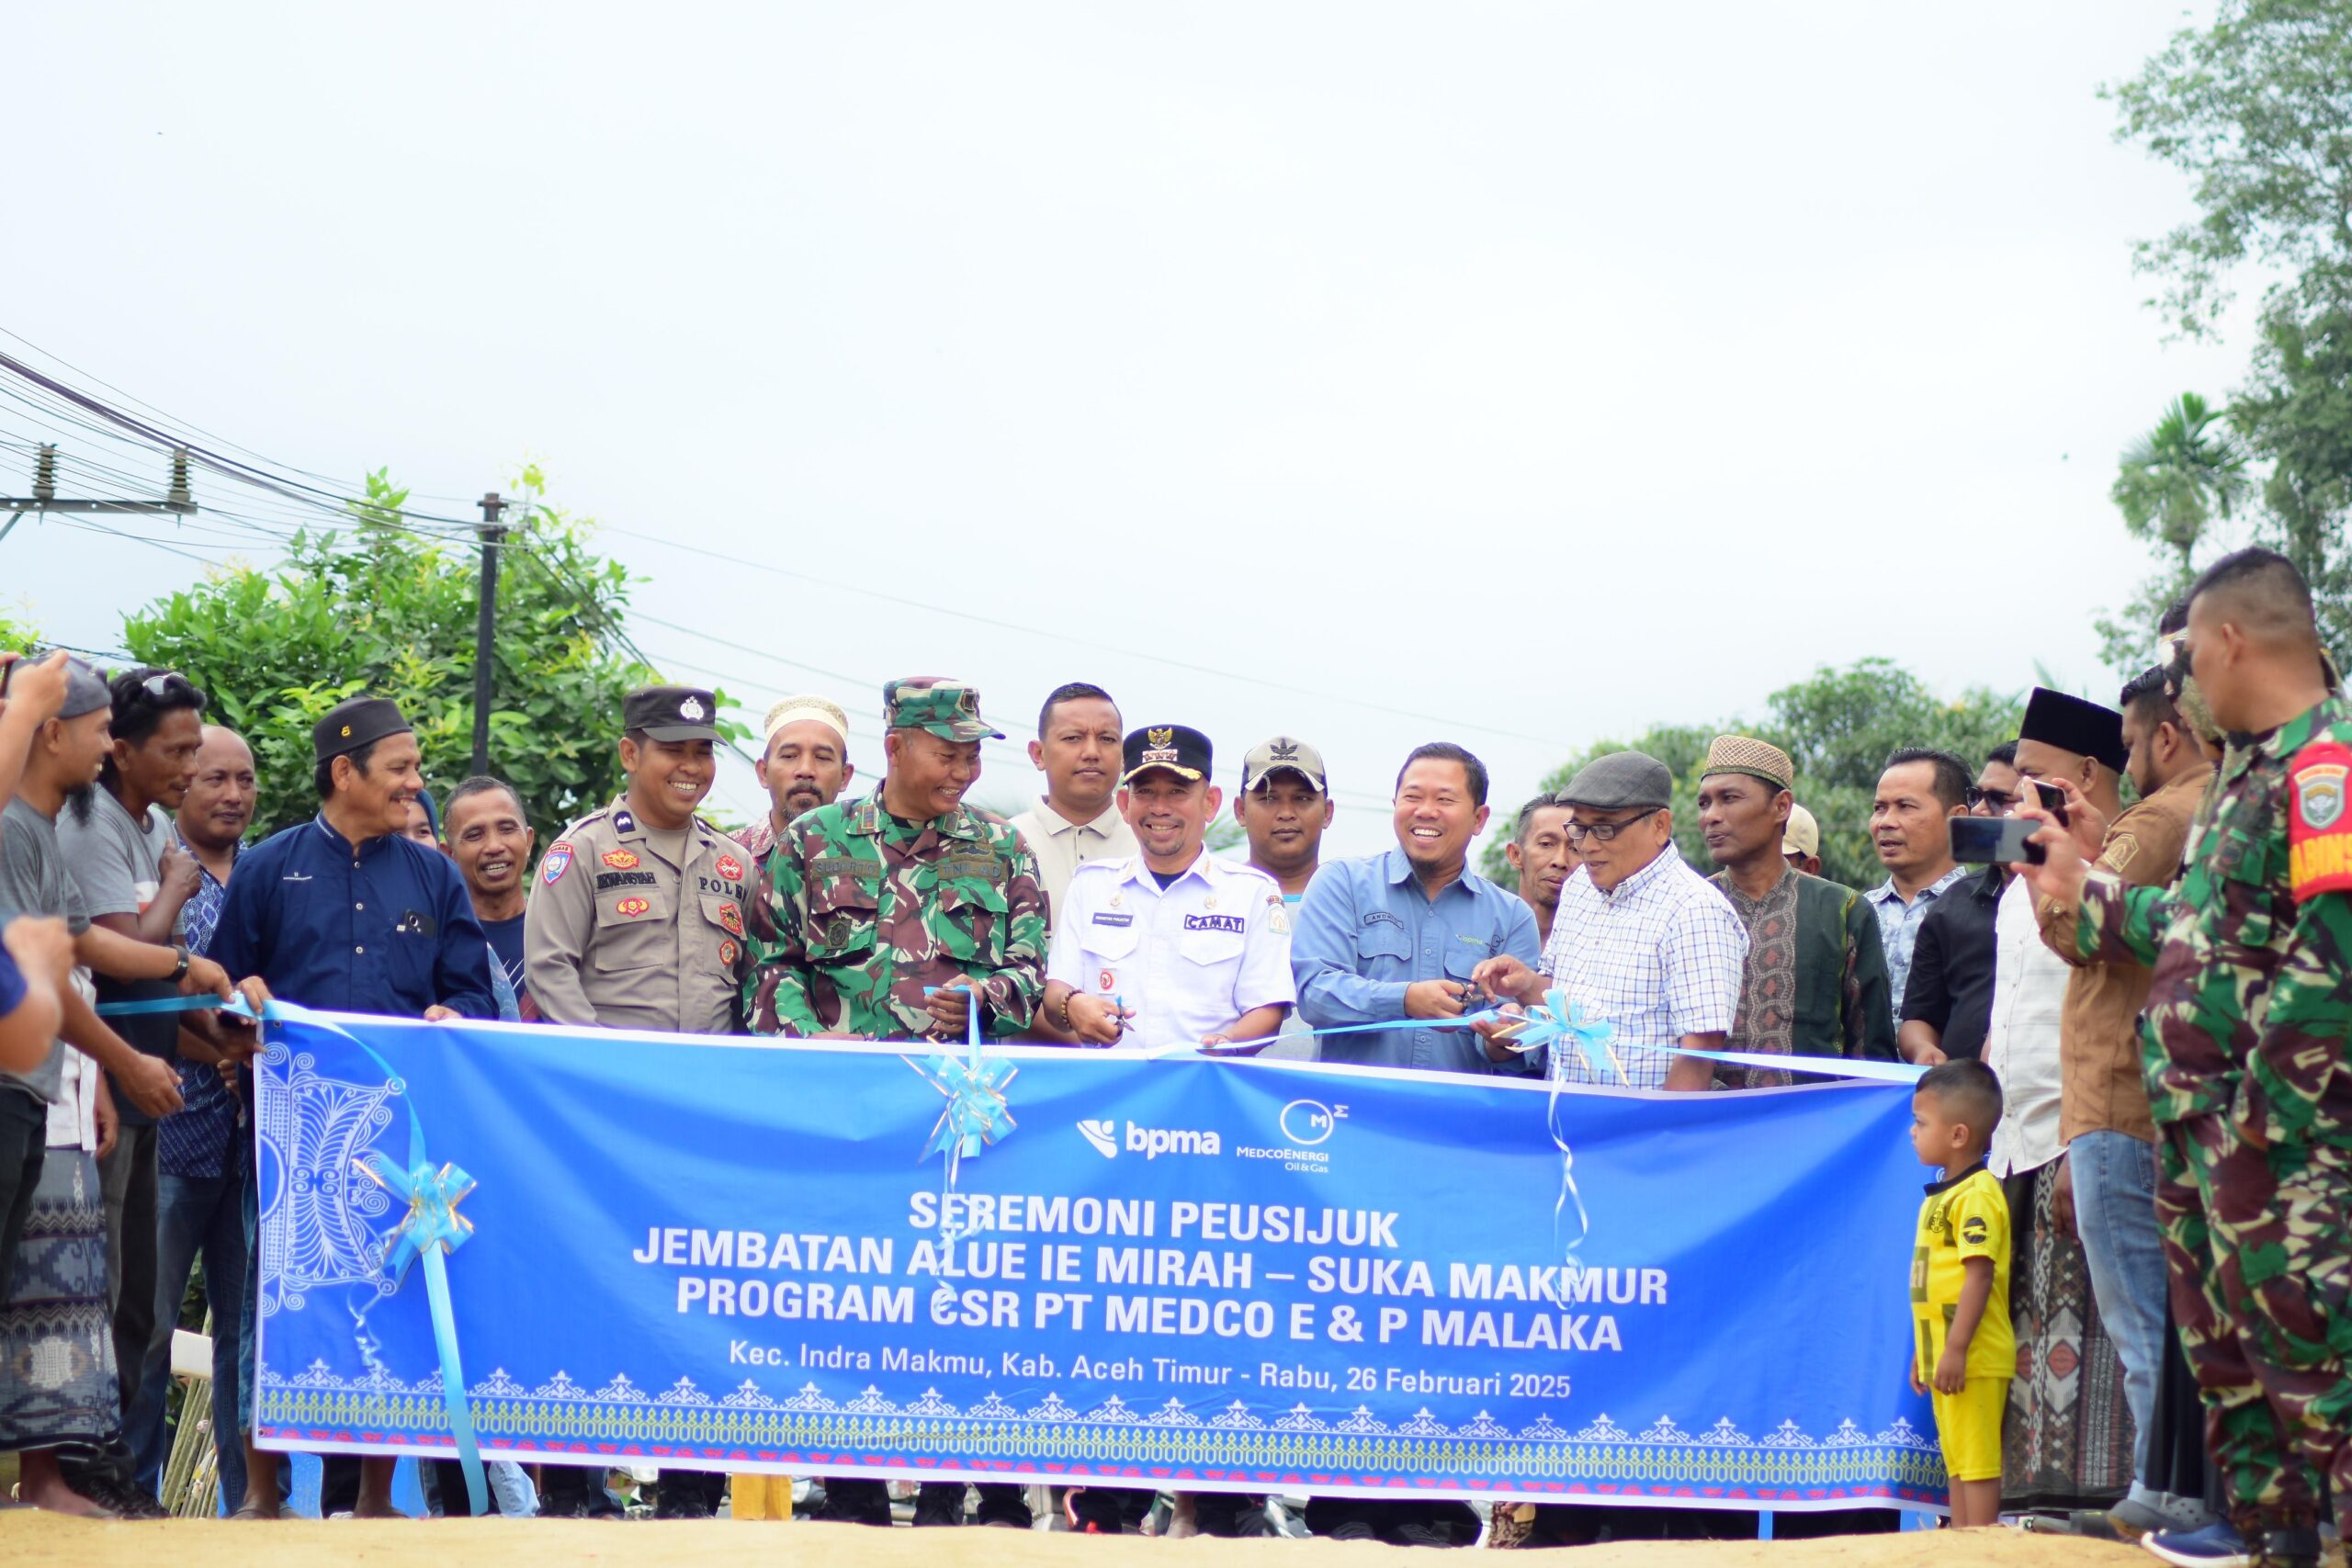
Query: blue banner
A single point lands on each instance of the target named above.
(836, 1259)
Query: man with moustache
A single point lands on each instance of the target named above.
(1540, 852)
(1919, 790)
(1078, 751)
(199, 1160)
(1815, 982)
(485, 831)
(344, 913)
(1283, 805)
(804, 764)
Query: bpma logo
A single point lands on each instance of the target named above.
(1149, 1141)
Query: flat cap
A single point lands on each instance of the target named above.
(1803, 835)
(671, 713)
(355, 722)
(1621, 782)
(948, 708)
(1739, 754)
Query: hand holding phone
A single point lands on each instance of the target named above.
(2053, 801)
(1995, 840)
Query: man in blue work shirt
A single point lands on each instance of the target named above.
(1396, 935)
(345, 914)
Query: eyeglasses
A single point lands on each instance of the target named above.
(1606, 831)
(1999, 800)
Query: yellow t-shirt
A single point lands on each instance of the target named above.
(1963, 1219)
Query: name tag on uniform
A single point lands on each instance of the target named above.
(844, 865)
(985, 867)
(1233, 923)
(1102, 917)
(608, 880)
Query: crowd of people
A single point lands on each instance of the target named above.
(2132, 1275)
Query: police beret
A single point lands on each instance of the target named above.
(355, 722)
(1621, 782)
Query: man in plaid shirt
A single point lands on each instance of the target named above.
(1640, 941)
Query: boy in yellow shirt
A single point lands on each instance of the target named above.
(1965, 1352)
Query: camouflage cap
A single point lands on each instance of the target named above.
(947, 708)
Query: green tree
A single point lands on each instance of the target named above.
(381, 608)
(1837, 727)
(2254, 110)
(2170, 485)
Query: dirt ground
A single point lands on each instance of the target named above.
(32, 1540)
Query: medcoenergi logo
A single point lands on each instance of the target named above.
(1148, 1141)
(1303, 1124)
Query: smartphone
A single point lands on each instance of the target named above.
(2054, 800)
(1994, 841)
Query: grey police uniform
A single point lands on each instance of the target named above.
(616, 934)
(626, 933)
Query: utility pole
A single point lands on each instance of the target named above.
(178, 502)
(486, 627)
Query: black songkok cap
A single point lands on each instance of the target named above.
(2054, 718)
(356, 722)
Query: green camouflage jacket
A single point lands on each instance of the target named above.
(2249, 1011)
(862, 911)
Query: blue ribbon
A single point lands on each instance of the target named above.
(976, 1114)
(431, 1230)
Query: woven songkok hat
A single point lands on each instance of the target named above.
(1738, 754)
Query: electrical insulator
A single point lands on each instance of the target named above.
(179, 494)
(45, 473)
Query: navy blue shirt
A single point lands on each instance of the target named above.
(385, 928)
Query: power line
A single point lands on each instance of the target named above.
(1095, 643)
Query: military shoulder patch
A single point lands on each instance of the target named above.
(2319, 830)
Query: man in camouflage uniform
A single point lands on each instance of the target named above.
(2245, 1044)
(893, 915)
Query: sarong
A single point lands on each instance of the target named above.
(57, 1375)
(2067, 1442)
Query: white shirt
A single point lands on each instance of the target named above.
(1660, 955)
(2029, 1001)
(1189, 960)
(1062, 846)
(73, 1114)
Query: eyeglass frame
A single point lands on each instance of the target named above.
(1605, 831)
(2006, 800)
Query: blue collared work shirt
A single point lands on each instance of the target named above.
(1366, 933)
(384, 927)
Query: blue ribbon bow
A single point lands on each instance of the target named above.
(976, 1114)
(433, 1220)
(1559, 1021)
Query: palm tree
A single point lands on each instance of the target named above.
(2176, 478)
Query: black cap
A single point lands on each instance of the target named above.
(355, 722)
(1179, 748)
(671, 713)
(2070, 724)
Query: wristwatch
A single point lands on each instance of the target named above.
(179, 970)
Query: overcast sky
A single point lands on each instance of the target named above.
(1517, 374)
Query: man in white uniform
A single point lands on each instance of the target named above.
(1169, 946)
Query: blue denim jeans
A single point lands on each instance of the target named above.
(196, 1215)
(2115, 1213)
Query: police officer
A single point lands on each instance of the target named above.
(1169, 946)
(2243, 1041)
(636, 922)
(635, 919)
(891, 915)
